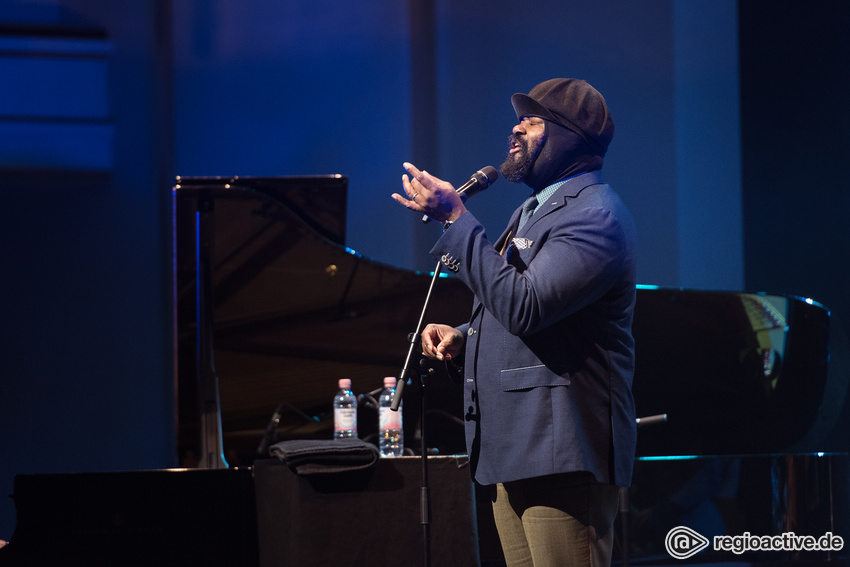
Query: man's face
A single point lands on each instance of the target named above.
(525, 143)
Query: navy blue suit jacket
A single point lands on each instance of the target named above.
(549, 354)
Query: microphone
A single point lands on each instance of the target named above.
(649, 420)
(479, 181)
(270, 430)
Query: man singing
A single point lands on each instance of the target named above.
(548, 352)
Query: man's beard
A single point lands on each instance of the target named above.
(516, 166)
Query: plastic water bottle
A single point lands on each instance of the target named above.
(345, 412)
(390, 431)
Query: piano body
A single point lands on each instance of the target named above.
(272, 309)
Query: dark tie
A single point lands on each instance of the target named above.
(527, 209)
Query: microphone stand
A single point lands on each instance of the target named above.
(424, 491)
(625, 491)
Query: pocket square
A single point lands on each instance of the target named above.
(522, 243)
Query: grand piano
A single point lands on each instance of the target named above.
(747, 391)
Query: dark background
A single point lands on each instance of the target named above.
(731, 150)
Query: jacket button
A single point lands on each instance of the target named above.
(470, 331)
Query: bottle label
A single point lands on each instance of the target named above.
(345, 419)
(390, 419)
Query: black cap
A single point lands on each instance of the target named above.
(573, 104)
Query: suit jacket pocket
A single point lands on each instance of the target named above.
(527, 377)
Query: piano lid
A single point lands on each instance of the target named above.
(293, 309)
(319, 201)
(736, 373)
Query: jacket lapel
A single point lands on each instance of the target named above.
(560, 198)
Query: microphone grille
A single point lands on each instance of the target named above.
(490, 172)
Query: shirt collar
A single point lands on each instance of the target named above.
(544, 194)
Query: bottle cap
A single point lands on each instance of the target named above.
(389, 382)
(345, 383)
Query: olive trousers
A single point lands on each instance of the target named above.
(562, 520)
